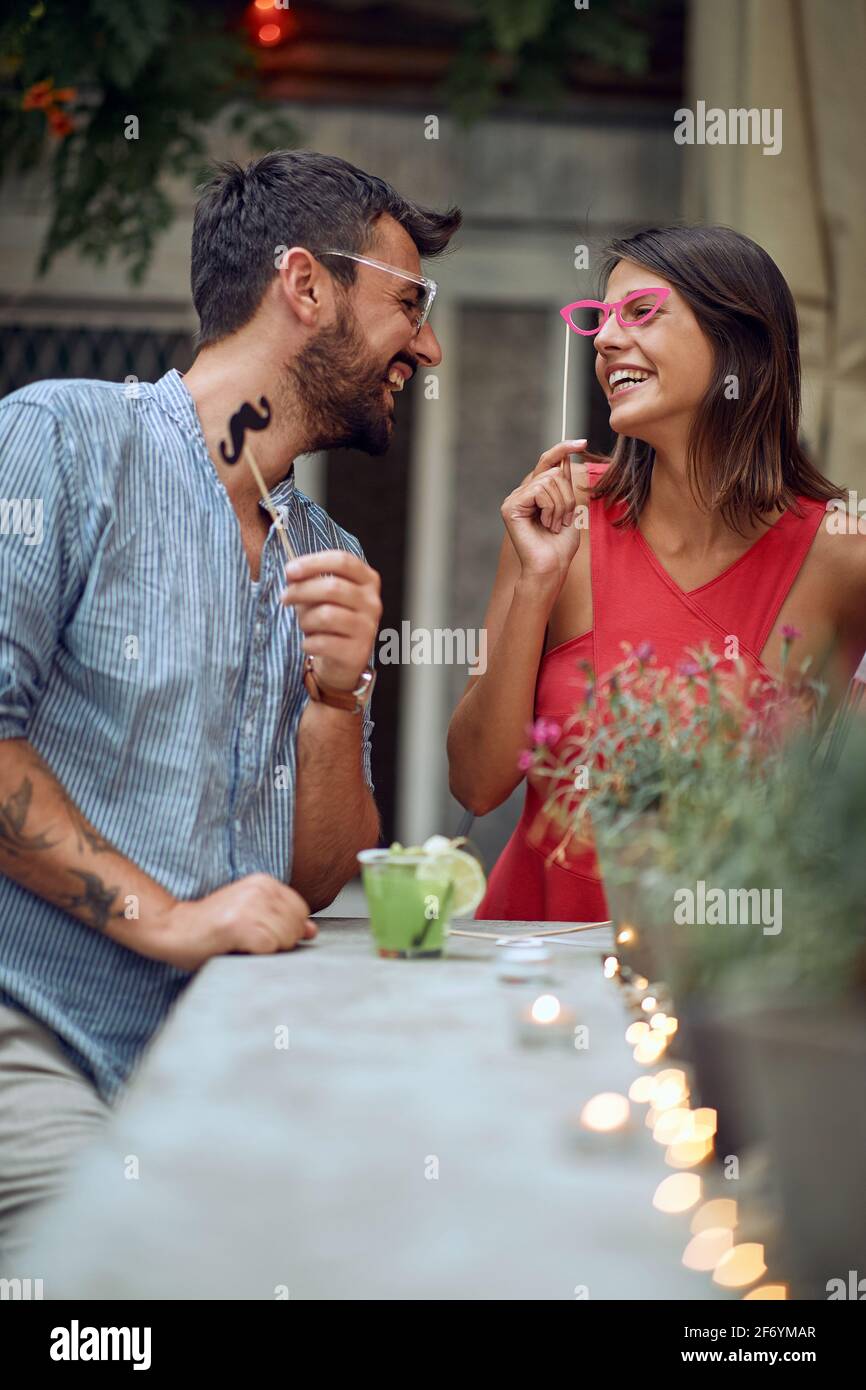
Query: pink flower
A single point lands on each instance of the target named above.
(526, 760)
(644, 651)
(689, 668)
(789, 633)
(545, 731)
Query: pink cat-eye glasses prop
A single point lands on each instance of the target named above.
(579, 315)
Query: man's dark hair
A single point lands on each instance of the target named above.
(290, 198)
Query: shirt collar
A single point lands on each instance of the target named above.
(283, 495)
(177, 402)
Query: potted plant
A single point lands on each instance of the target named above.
(683, 783)
(641, 767)
(736, 853)
(784, 1009)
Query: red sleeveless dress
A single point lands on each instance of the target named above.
(634, 600)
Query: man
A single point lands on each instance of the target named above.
(173, 785)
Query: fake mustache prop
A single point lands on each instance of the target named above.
(248, 418)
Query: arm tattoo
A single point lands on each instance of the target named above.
(94, 901)
(13, 815)
(85, 835)
(83, 832)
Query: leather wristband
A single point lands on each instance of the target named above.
(353, 701)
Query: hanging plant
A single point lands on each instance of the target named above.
(117, 96)
(529, 47)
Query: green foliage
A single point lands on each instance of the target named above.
(692, 777)
(176, 66)
(172, 65)
(533, 43)
(655, 740)
(798, 830)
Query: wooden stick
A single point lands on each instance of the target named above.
(555, 934)
(266, 498)
(565, 383)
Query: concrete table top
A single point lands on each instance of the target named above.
(404, 1144)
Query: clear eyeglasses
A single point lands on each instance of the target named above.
(424, 304)
(587, 316)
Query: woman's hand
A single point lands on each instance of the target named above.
(541, 515)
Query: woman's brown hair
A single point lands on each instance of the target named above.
(744, 457)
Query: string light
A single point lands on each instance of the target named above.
(721, 1211)
(704, 1250)
(641, 1088)
(674, 1126)
(741, 1265)
(688, 1153)
(678, 1193)
(689, 1136)
(669, 1088)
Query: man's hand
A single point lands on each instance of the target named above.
(339, 607)
(257, 915)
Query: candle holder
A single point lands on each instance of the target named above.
(522, 960)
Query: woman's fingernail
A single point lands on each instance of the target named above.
(576, 443)
(292, 568)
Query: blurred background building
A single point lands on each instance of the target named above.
(389, 86)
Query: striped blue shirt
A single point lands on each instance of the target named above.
(161, 687)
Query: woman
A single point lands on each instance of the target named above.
(705, 526)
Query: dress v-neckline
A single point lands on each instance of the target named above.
(729, 569)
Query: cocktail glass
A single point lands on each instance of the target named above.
(410, 898)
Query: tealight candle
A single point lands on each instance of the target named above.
(604, 1122)
(546, 1020)
(605, 1112)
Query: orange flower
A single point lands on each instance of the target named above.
(59, 122)
(38, 96)
(44, 96)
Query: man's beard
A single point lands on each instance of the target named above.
(341, 391)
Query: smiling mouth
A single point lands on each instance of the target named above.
(629, 379)
(395, 380)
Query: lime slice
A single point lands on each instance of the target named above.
(467, 876)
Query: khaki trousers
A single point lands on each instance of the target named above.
(49, 1111)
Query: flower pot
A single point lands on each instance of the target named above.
(628, 866)
(714, 1040)
(808, 1074)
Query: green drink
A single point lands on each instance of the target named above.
(410, 898)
